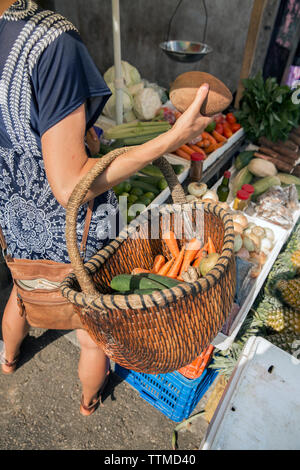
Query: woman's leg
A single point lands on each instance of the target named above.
(14, 329)
(92, 368)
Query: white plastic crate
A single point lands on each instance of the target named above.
(260, 407)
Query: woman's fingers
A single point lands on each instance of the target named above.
(199, 98)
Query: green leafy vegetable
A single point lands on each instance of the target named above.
(267, 109)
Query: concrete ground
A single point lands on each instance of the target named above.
(40, 404)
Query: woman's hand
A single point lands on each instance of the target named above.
(92, 141)
(191, 123)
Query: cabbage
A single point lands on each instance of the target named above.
(146, 104)
(110, 107)
(130, 74)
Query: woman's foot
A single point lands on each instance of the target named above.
(87, 410)
(9, 367)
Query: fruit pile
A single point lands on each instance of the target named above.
(215, 135)
(141, 189)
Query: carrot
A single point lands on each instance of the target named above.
(185, 148)
(171, 242)
(204, 143)
(166, 267)
(219, 137)
(183, 154)
(206, 135)
(191, 251)
(140, 271)
(159, 261)
(175, 268)
(200, 255)
(197, 149)
(210, 246)
(211, 148)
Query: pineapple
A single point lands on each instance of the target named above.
(290, 292)
(284, 319)
(295, 259)
(289, 342)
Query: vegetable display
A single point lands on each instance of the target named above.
(267, 109)
(214, 136)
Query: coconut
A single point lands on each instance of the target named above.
(183, 91)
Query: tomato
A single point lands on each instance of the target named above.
(219, 119)
(220, 128)
(235, 127)
(227, 132)
(230, 118)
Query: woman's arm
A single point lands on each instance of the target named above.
(66, 161)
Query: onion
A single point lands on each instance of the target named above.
(237, 228)
(197, 189)
(241, 219)
(256, 240)
(243, 253)
(238, 243)
(191, 198)
(259, 231)
(210, 194)
(269, 234)
(248, 244)
(260, 258)
(266, 245)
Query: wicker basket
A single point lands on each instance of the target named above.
(168, 329)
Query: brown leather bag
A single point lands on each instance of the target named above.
(37, 284)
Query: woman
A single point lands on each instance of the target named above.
(51, 94)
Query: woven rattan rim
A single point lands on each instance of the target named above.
(157, 298)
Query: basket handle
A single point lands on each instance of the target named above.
(77, 197)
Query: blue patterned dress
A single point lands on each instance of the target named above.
(45, 73)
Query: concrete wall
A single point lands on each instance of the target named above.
(144, 26)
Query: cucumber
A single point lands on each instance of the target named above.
(288, 179)
(168, 282)
(150, 196)
(119, 189)
(162, 184)
(178, 169)
(129, 282)
(136, 192)
(132, 198)
(146, 187)
(127, 187)
(151, 170)
(243, 159)
(144, 200)
(147, 179)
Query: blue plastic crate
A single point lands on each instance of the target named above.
(173, 394)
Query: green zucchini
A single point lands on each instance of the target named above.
(243, 159)
(263, 184)
(147, 179)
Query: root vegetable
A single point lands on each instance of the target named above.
(197, 189)
(208, 263)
